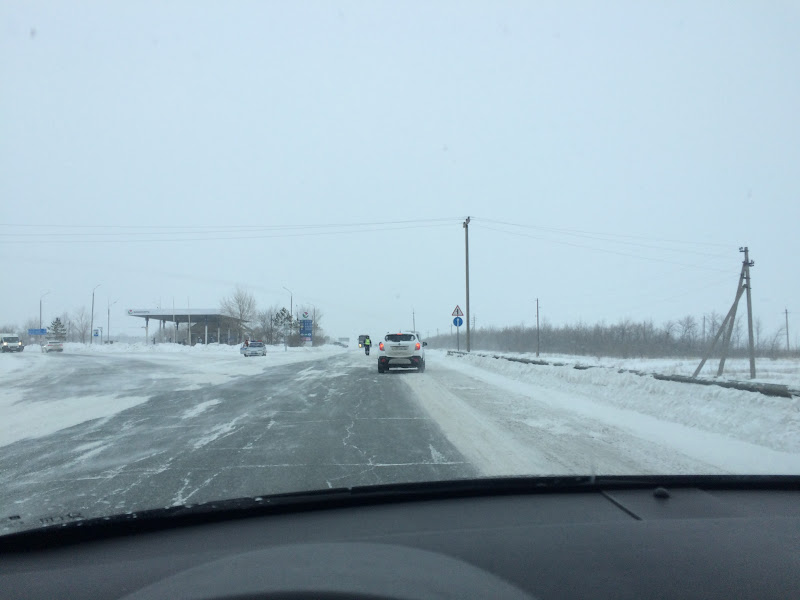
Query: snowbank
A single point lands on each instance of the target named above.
(747, 416)
(783, 371)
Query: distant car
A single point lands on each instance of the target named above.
(254, 348)
(403, 349)
(361, 339)
(53, 346)
(10, 342)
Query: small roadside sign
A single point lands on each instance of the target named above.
(457, 312)
(458, 321)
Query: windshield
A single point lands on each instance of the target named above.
(588, 211)
(11, 340)
(399, 337)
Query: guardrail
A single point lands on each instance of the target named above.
(768, 389)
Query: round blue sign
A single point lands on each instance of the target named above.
(458, 321)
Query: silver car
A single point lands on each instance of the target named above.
(254, 348)
(53, 346)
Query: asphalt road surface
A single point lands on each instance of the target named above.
(325, 423)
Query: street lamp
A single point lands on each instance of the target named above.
(291, 296)
(91, 327)
(108, 329)
(40, 308)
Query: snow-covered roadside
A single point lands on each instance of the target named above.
(115, 385)
(511, 418)
(784, 371)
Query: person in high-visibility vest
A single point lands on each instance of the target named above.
(367, 344)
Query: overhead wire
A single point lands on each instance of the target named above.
(609, 237)
(55, 238)
(607, 250)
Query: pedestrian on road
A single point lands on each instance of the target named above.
(367, 344)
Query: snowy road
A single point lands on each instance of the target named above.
(105, 433)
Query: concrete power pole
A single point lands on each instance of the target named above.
(537, 327)
(466, 254)
(747, 264)
(786, 312)
(726, 329)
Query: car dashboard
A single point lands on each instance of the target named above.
(616, 541)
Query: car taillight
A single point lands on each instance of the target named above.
(380, 346)
(418, 346)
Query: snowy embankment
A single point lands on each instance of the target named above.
(693, 428)
(40, 393)
(782, 371)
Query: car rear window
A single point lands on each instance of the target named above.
(399, 337)
(256, 344)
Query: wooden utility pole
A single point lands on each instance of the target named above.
(726, 327)
(537, 327)
(466, 255)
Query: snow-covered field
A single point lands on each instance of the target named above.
(115, 387)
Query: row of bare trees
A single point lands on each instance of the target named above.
(274, 324)
(76, 324)
(686, 337)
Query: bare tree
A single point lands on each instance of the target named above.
(241, 305)
(66, 319)
(32, 323)
(81, 322)
(687, 329)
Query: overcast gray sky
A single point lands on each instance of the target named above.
(613, 157)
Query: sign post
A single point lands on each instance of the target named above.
(458, 322)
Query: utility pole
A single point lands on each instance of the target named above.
(108, 329)
(704, 329)
(285, 334)
(537, 327)
(40, 308)
(91, 327)
(747, 264)
(786, 312)
(466, 255)
(413, 321)
(726, 329)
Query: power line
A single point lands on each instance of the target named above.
(125, 237)
(606, 250)
(597, 233)
(603, 237)
(215, 228)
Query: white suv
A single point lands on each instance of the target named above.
(403, 349)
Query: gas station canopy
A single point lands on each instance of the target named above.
(200, 320)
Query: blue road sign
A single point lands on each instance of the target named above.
(306, 329)
(37, 331)
(458, 321)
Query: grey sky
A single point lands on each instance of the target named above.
(666, 121)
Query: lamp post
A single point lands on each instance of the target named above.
(108, 328)
(40, 308)
(91, 327)
(291, 297)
